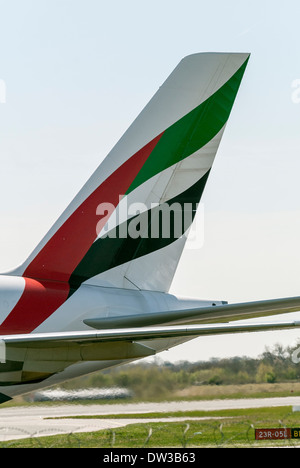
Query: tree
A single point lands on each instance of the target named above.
(265, 373)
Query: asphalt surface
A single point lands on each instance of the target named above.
(32, 421)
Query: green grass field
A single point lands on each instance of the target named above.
(230, 428)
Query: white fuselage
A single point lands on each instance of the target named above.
(90, 302)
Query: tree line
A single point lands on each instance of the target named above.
(146, 379)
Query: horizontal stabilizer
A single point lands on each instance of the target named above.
(211, 314)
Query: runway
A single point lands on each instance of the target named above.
(32, 421)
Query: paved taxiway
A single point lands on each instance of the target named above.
(32, 421)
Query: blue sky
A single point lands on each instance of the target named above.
(78, 72)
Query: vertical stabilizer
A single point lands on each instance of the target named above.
(162, 162)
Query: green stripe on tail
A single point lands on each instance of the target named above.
(193, 131)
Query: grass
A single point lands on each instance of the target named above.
(262, 390)
(232, 428)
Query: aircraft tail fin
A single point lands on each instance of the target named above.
(110, 234)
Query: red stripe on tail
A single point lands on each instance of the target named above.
(63, 252)
(47, 276)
